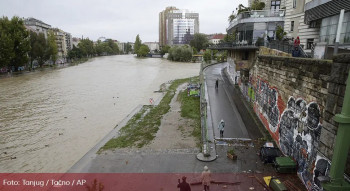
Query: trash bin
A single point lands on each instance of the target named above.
(285, 165)
(277, 185)
(268, 154)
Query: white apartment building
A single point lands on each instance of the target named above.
(61, 43)
(37, 25)
(152, 46)
(180, 24)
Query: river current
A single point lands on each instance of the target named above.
(50, 119)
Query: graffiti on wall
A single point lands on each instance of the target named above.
(266, 98)
(322, 168)
(297, 129)
(299, 135)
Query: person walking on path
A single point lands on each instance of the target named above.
(221, 128)
(206, 178)
(184, 186)
(216, 83)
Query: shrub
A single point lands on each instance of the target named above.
(180, 54)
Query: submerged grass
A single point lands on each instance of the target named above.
(141, 131)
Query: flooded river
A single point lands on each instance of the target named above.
(50, 119)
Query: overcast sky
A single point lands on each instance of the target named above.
(118, 19)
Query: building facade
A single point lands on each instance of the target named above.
(37, 25)
(163, 16)
(177, 26)
(216, 38)
(322, 18)
(69, 41)
(253, 29)
(75, 41)
(153, 46)
(180, 23)
(121, 46)
(295, 26)
(61, 44)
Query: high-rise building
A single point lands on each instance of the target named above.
(176, 26)
(163, 16)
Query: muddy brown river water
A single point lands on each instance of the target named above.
(50, 119)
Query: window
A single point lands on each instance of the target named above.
(292, 26)
(294, 4)
(309, 43)
(275, 5)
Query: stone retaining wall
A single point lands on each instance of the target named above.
(296, 100)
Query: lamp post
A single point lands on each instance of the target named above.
(341, 148)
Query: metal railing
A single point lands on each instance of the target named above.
(284, 46)
(204, 125)
(243, 43)
(288, 47)
(257, 14)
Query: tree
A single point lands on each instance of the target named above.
(165, 49)
(114, 49)
(127, 48)
(207, 56)
(14, 41)
(6, 44)
(280, 33)
(180, 53)
(137, 44)
(87, 47)
(21, 43)
(52, 49)
(40, 49)
(257, 5)
(75, 53)
(143, 51)
(241, 8)
(231, 17)
(200, 41)
(229, 37)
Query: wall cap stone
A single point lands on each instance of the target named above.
(306, 61)
(342, 58)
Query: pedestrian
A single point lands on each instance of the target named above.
(217, 83)
(206, 178)
(297, 42)
(221, 128)
(184, 186)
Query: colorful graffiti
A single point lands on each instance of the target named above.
(322, 168)
(299, 135)
(266, 99)
(296, 130)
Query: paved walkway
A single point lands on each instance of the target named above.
(222, 105)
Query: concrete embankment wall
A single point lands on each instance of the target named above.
(296, 100)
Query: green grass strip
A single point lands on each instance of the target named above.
(190, 108)
(140, 131)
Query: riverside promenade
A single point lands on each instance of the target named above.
(224, 103)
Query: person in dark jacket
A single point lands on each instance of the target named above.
(184, 186)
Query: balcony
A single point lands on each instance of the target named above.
(239, 45)
(257, 16)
